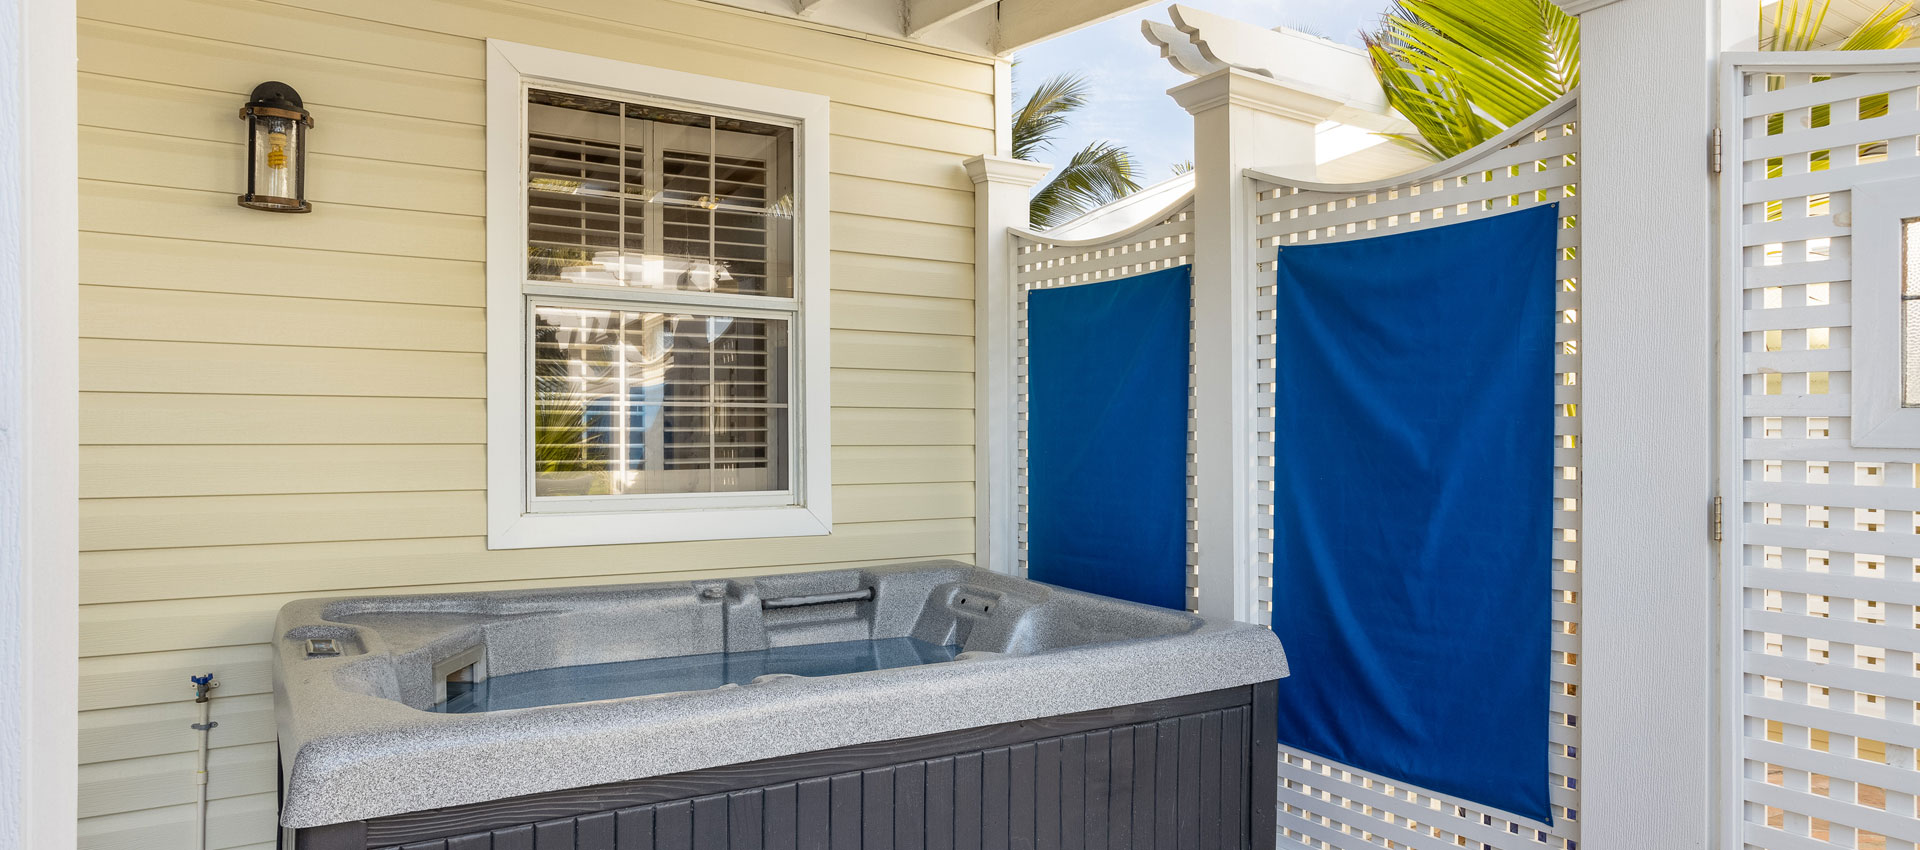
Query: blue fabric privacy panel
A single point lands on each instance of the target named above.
(1412, 521)
(1107, 436)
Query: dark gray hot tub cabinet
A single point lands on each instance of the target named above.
(1169, 775)
(1069, 721)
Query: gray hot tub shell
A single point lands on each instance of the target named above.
(357, 742)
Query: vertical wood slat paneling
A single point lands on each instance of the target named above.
(271, 376)
(1178, 783)
(1540, 166)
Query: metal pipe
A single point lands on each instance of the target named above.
(202, 685)
(862, 595)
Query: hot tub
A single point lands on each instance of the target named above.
(921, 705)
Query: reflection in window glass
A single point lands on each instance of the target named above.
(1910, 312)
(625, 194)
(635, 402)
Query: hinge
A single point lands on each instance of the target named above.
(1713, 162)
(1716, 519)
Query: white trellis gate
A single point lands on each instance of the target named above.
(1819, 557)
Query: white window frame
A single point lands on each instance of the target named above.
(1878, 209)
(512, 520)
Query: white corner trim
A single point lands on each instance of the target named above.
(39, 424)
(510, 524)
(1878, 208)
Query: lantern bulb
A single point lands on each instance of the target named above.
(277, 151)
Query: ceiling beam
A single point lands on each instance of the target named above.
(1027, 22)
(806, 7)
(924, 15)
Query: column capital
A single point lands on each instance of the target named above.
(1234, 87)
(1005, 170)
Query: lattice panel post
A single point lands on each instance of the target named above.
(1239, 120)
(1000, 188)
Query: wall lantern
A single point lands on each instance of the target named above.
(277, 124)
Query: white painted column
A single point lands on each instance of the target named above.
(39, 434)
(1000, 188)
(1240, 121)
(1648, 105)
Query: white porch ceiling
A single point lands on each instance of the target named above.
(979, 27)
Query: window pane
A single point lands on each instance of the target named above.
(625, 194)
(632, 402)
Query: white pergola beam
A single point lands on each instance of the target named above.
(1027, 22)
(924, 15)
(807, 7)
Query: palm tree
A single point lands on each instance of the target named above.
(1099, 174)
(1463, 70)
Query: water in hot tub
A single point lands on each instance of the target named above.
(586, 683)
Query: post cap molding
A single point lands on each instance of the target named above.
(1005, 170)
(1234, 87)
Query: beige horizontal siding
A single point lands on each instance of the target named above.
(349, 566)
(121, 472)
(170, 419)
(283, 406)
(186, 521)
(171, 162)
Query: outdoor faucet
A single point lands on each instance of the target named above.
(201, 685)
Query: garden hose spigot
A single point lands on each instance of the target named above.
(201, 685)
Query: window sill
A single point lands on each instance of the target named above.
(544, 530)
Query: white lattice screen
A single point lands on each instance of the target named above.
(1820, 563)
(1163, 242)
(1327, 805)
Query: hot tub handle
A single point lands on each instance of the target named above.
(862, 595)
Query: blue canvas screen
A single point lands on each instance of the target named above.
(1107, 437)
(1412, 508)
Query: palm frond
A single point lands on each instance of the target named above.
(1097, 175)
(1463, 70)
(1801, 24)
(1796, 25)
(1887, 29)
(1045, 112)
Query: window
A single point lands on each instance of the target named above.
(656, 305)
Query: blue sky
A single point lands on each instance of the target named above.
(1129, 79)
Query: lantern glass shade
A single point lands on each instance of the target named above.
(277, 127)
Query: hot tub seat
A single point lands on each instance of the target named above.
(358, 740)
